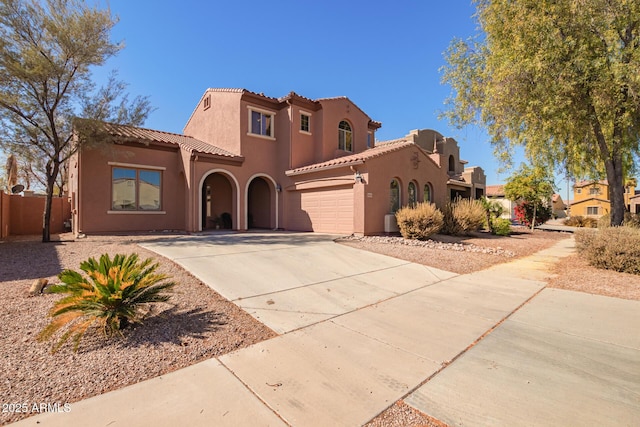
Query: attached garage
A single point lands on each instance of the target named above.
(322, 210)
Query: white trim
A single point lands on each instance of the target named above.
(272, 134)
(133, 165)
(246, 198)
(199, 195)
(305, 112)
(261, 110)
(111, 212)
(306, 132)
(257, 135)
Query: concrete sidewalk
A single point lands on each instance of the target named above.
(343, 363)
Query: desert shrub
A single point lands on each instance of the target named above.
(419, 222)
(501, 226)
(524, 213)
(115, 294)
(631, 220)
(581, 221)
(590, 222)
(463, 216)
(611, 248)
(604, 221)
(574, 221)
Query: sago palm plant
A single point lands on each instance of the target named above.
(112, 296)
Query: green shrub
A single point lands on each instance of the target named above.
(611, 248)
(501, 226)
(419, 222)
(113, 296)
(463, 216)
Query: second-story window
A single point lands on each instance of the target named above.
(305, 122)
(261, 123)
(345, 136)
(594, 191)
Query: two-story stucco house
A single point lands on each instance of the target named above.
(591, 198)
(246, 160)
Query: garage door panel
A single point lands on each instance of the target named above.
(326, 211)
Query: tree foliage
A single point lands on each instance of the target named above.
(532, 187)
(47, 50)
(557, 77)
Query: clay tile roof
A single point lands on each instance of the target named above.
(353, 159)
(494, 190)
(187, 143)
(587, 182)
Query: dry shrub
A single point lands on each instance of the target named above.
(581, 221)
(631, 220)
(463, 216)
(611, 248)
(419, 222)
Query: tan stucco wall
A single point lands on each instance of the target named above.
(580, 208)
(218, 125)
(333, 112)
(399, 165)
(94, 193)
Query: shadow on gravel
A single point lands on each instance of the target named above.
(172, 326)
(28, 259)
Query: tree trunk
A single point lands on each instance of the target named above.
(616, 191)
(52, 173)
(533, 220)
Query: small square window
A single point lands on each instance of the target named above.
(207, 102)
(305, 121)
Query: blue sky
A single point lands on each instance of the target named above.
(385, 56)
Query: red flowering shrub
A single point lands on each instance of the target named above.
(524, 213)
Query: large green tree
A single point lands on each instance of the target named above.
(559, 77)
(47, 51)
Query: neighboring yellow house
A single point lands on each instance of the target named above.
(591, 198)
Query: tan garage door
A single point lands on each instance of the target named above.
(324, 211)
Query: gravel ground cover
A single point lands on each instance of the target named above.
(461, 255)
(195, 325)
(199, 324)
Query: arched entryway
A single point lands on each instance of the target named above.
(218, 198)
(260, 204)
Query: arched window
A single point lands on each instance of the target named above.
(412, 192)
(345, 136)
(394, 196)
(452, 163)
(428, 193)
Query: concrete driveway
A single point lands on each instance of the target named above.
(292, 280)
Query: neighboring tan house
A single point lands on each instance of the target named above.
(496, 193)
(591, 198)
(634, 203)
(559, 208)
(247, 160)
